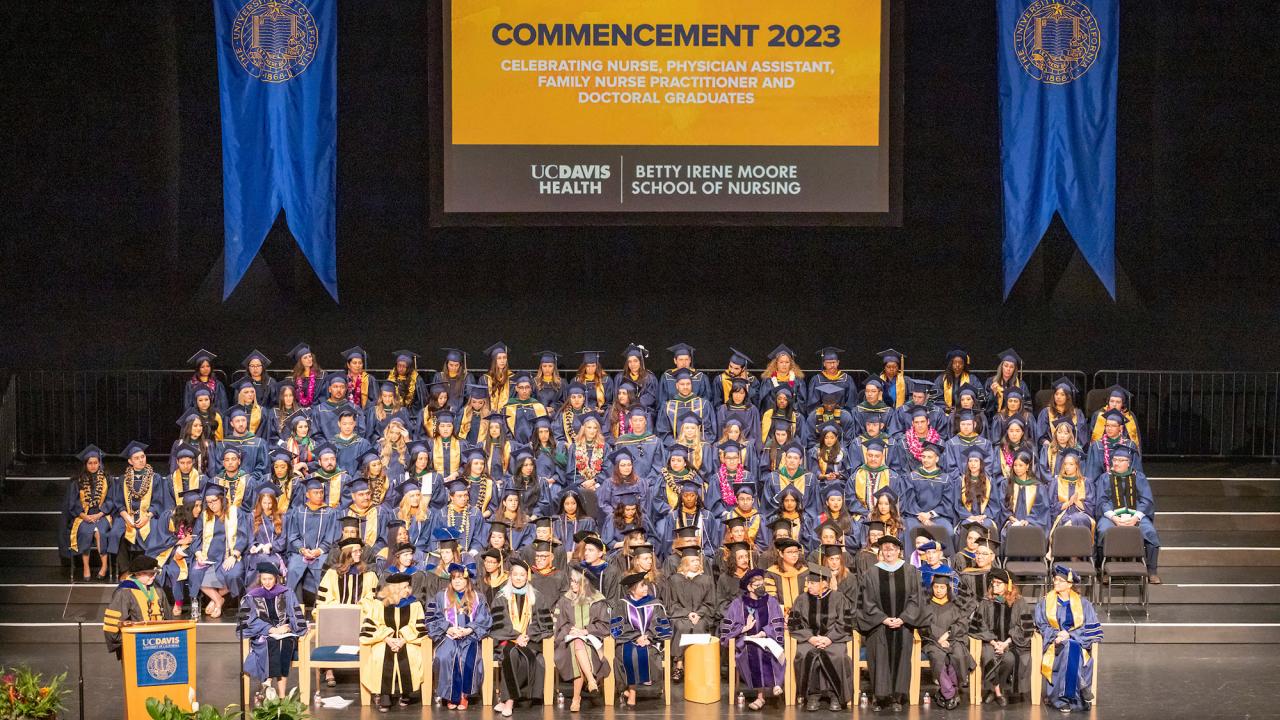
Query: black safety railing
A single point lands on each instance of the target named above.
(1207, 414)
(8, 427)
(48, 414)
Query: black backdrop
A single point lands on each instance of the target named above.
(112, 232)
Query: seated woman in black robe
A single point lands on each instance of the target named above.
(521, 621)
(890, 604)
(1004, 623)
(819, 625)
(581, 624)
(944, 629)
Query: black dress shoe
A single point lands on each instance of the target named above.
(877, 706)
(835, 705)
(1002, 701)
(989, 698)
(897, 706)
(811, 704)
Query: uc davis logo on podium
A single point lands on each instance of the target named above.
(162, 658)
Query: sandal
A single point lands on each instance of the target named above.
(574, 705)
(462, 705)
(331, 681)
(756, 704)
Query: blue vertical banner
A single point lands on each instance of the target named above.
(278, 78)
(1057, 62)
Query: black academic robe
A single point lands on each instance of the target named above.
(887, 594)
(522, 667)
(131, 603)
(1010, 670)
(822, 671)
(684, 595)
(951, 620)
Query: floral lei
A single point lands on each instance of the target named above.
(589, 459)
(726, 485)
(916, 446)
(308, 395)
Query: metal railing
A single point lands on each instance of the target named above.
(1188, 413)
(8, 428)
(50, 414)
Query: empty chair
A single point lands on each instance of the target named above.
(1123, 557)
(1072, 546)
(1025, 548)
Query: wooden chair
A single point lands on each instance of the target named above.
(610, 682)
(335, 625)
(975, 676)
(917, 661)
(789, 669)
(1037, 680)
(733, 670)
(494, 666)
(853, 648)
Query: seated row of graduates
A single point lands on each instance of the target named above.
(505, 406)
(519, 603)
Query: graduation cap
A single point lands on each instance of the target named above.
(679, 451)
(268, 489)
(783, 543)
(1066, 573)
(293, 420)
(682, 374)
(457, 485)
(255, 355)
(734, 547)
(874, 445)
(935, 447)
(590, 357)
(891, 356)
(315, 484)
(690, 551)
(189, 497)
(1015, 392)
(325, 448)
(351, 541)
(399, 578)
(828, 391)
(369, 457)
(966, 414)
(681, 348)
(740, 383)
(418, 447)
(692, 485)
(299, 351)
(143, 564)
(989, 543)
(354, 352)
(496, 349)
(1114, 415)
(1024, 455)
(445, 416)
(942, 578)
(744, 487)
(730, 446)
(586, 417)
(919, 411)
(967, 389)
(132, 448)
(522, 378)
(832, 489)
(641, 549)
(958, 353)
(236, 412)
(689, 417)
(783, 390)
(359, 485)
(387, 387)
(793, 448)
(1064, 383)
(828, 427)
(1010, 355)
(499, 525)
(629, 581)
(519, 563)
(409, 486)
(621, 453)
(781, 350)
(541, 423)
(593, 540)
(888, 539)
(1123, 451)
(1063, 420)
(243, 383)
(874, 525)
(639, 411)
(888, 492)
(544, 545)
(496, 416)
(406, 548)
(346, 411)
(576, 388)
(832, 550)
(202, 391)
(213, 489)
(928, 545)
(548, 356)
(639, 351)
(335, 379)
(920, 386)
(873, 381)
(1015, 420)
(830, 353)
(735, 521)
(737, 357)
(627, 386)
(453, 355)
(819, 572)
(520, 454)
(182, 452)
(976, 451)
(201, 356)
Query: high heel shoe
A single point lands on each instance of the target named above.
(575, 705)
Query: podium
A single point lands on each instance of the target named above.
(702, 673)
(159, 661)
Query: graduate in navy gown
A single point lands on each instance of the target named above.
(832, 374)
(977, 496)
(1008, 376)
(1027, 498)
(635, 372)
(926, 496)
(88, 513)
(458, 619)
(1070, 628)
(205, 378)
(735, 374)
(682, 359)
(1125, 499)
(311, 530)
(222, 536)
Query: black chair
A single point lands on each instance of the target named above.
(1072, 547)
(1124, 557)
(1044, 399)
(1095, 401)
(1025, 549)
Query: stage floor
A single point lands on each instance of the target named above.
(1139, 681)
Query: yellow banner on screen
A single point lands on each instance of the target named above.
(665, 72)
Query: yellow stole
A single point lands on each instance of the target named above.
(180, 484)
(499, 393)
(142, 500)
(860, 478)
(437, 455)
(566, 422)
(486, 492)
(1130, 426)
(1051, 614)
(1027, 493)
(787, 590)
(96, 489)
(900, 394)
(229, 525)
(947, 387)
(370, 518)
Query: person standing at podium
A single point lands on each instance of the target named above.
(136, 599)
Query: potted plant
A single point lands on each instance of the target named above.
(289, 707)
(166, 710)
(24, 695)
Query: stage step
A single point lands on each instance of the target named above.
(1218, 486)
(1221, 522)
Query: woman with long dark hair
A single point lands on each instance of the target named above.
(88, 513)
(306, 376)
(457, 620)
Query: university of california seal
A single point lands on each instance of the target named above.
(162, 665)
(1057, 41)
(274, 40)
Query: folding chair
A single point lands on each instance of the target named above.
(1124, 556)
(335, 626)
(1072, 547)
(1025, 548)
